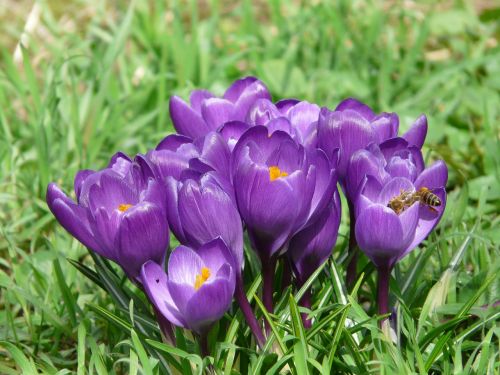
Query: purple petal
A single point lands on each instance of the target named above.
(237, 88)
(216, 253)
(120, 163)
(303, 115)
(154, 280)
(215, 152)
(285, 105)
(172, 142)
(143, 236)
(216, 112)
(386, 126)
(261, 112)
(232, 131)
(428, 219)
(181, 294)
(394, 188)
(72, 217)
(417, 132)
(256, 90)
(186, 121)
(312, 246)
(435, 176)
(361, 164)
(380, 235)
(80, 178)
(197, 98)
(184, 265)
(112, 192)
(346, 130)
(281, 124)
(398, 167)
(356, 105)
(172, 187)
(209, 304)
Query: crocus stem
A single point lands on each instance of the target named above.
(165, 326)
(384, 275)
(247, 311)
(351, 274)
(268, 268)
(306, 302)
(286, 278)
(204, 344)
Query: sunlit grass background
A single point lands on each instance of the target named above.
(80, 80)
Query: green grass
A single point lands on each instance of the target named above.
(96, 78)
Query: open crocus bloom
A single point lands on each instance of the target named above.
(279, 186)
(120, 213)
(386, 235)
(353, 125)
(198, 288)
(312, 246)
(207, 113)
(199, 209)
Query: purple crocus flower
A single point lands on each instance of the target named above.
(386, 231)
(176, 153)
(202, 207)
(207, 112)
(199, 209)
(120, 213)
(279, 187)
(198, 288)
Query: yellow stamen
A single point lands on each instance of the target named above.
(201, 278)
(124, 207)
(275, 173)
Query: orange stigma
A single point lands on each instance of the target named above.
(124, 207)
(275, 172)
(201, 278)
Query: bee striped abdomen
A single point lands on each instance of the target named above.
(428, 198)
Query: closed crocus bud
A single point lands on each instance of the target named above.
(198, 288)
(352, 126)
(176, 153)
(200, 209)
(207, 113)
(312, 246)
(278, 186)
(120, 213)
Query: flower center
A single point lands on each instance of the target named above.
(201, 278)
(275, 172)
(124, 207)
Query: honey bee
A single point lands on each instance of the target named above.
(406, 199)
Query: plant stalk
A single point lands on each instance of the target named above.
(248, 313)
(268, 268)
(306, 302)
(384, 275)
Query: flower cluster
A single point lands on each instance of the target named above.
(243, 164)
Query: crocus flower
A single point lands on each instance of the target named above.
(278, 186)
(176, 153)
(198, 288)
(120, 213)
(387, 232)
(353, 125)
(199, 209)
(207, 112)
